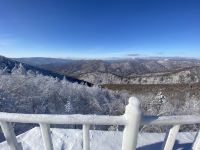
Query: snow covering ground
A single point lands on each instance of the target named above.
(71, 139)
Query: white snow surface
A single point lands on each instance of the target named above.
(71, 139)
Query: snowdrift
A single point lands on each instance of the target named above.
(71, 139)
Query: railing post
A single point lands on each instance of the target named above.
(86, 137)
(46, 135)
(10, 136)
(196, 144)
(170, 138)
(133, 116)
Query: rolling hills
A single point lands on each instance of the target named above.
(8, 64)
(125, 71)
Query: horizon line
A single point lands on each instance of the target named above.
(108, 58)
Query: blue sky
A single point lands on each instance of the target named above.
(99, 28)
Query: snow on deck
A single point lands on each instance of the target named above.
(71, 139)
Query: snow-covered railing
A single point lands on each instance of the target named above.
(132, 119)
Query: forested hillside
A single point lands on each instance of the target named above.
(124, 71)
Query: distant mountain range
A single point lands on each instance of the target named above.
(8, 64)
(36, 61)
(155, 70)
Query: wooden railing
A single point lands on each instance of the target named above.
(132, 119)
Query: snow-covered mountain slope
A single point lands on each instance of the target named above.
(70, 139)
(128, 71)
(185, 75)
(8, 65)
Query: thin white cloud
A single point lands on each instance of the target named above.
(4, 42)
(7, 41)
